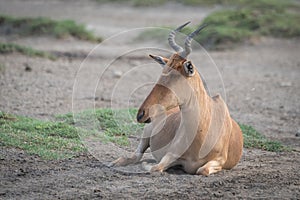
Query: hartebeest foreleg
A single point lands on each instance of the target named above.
(134, 157)
(169, 160)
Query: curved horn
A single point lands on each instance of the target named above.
(188, 40)
(171, 38)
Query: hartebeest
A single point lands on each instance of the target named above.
(188, 127)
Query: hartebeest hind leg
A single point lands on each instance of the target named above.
(134, 157)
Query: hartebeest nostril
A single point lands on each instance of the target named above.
(140, 115)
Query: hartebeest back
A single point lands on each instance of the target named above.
(187, 126)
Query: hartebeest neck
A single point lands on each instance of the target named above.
(199, 102)
(198, 99)
(195, 116)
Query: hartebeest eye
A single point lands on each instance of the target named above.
(189, 68)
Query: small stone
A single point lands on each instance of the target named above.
(285, 84)
(283, 118)
(117, 74)
(27, 67)
(48, 71)
(298, 133)
(218, 194)
(97, 190)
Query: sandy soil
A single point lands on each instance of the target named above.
(261, 86)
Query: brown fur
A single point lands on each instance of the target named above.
(218, 141)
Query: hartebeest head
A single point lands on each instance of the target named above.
(179, 79)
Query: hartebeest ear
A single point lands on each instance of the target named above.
(189, 68)
(161, 60)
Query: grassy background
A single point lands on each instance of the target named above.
(44, 26)
(239, 20)
(267, 18)
(49, 140)
(117, 125)
(40, 26)
(204, 2)
(6, 48)
(60, 139)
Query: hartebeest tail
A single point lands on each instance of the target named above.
(188, 127)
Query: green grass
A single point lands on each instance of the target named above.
(136, 2)
(2, 67)
(45, 26)
(253, 139)
(242, 3)
(63, 137)
(243, 20)
(278, 3)
(116, 125)
(232, 26)
(6, 48)
(49, 140)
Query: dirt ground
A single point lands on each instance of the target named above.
(260, 83)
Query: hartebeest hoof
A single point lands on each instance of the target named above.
(123, 161)
(209, 168)
(118, 162)
(152, 168)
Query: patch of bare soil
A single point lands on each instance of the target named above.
(259, 175)
(262, 89)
